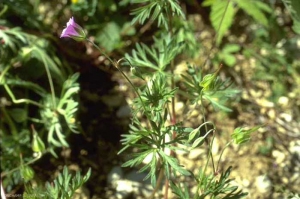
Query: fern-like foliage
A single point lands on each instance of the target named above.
(63, 187)
(66, 107)
(156, 57)
(162, 10)
(211, 186)
(154, 149)
(210, 87)
(22, 47)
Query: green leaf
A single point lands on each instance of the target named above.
(229, 59)
(221, 17)
(18, 114)
(27, 173)
(208, 81)
(254, 9)
(296, 27)
(207, 3)
(216, 104)
(241, 135)
(173, 162)
(231, 48)
(109, 37)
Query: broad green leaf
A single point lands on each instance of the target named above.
(221, 17)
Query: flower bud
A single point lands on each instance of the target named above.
(27, 173)
(74, 31)
(241, 135)
(37, 144)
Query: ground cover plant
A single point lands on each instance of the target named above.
(52, 93)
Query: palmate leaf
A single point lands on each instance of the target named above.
(221, 17)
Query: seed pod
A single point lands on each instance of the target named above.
(27, 173)
(37, 144)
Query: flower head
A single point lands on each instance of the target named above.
(74, 31)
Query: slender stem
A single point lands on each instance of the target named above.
(50, 81)
(160, 176)
(11, 125)
(19, 101)
(201, 178)
(222, 153)
(5, 8)
(4, 72)
(15, 169)
(103, 53)
(116, 65)
(206, 129)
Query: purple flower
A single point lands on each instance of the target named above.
(74, 31)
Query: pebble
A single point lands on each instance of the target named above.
(196, 153)
(283, 101)
(263, 184)
(131, 183)
(215, 147)
(287, 117)
(114, 175)
(279, 156)
(124, 112)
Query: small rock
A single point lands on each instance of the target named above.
(114, 175)
(215, 147)
(283, 101)
(196, 153)
(294, 147)
(124, 111)
(124, 188)
(271, 113)
(263, 184)
(287, 117)
(81, 193)
(112, 100)
(279, 156)
(245, 183)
